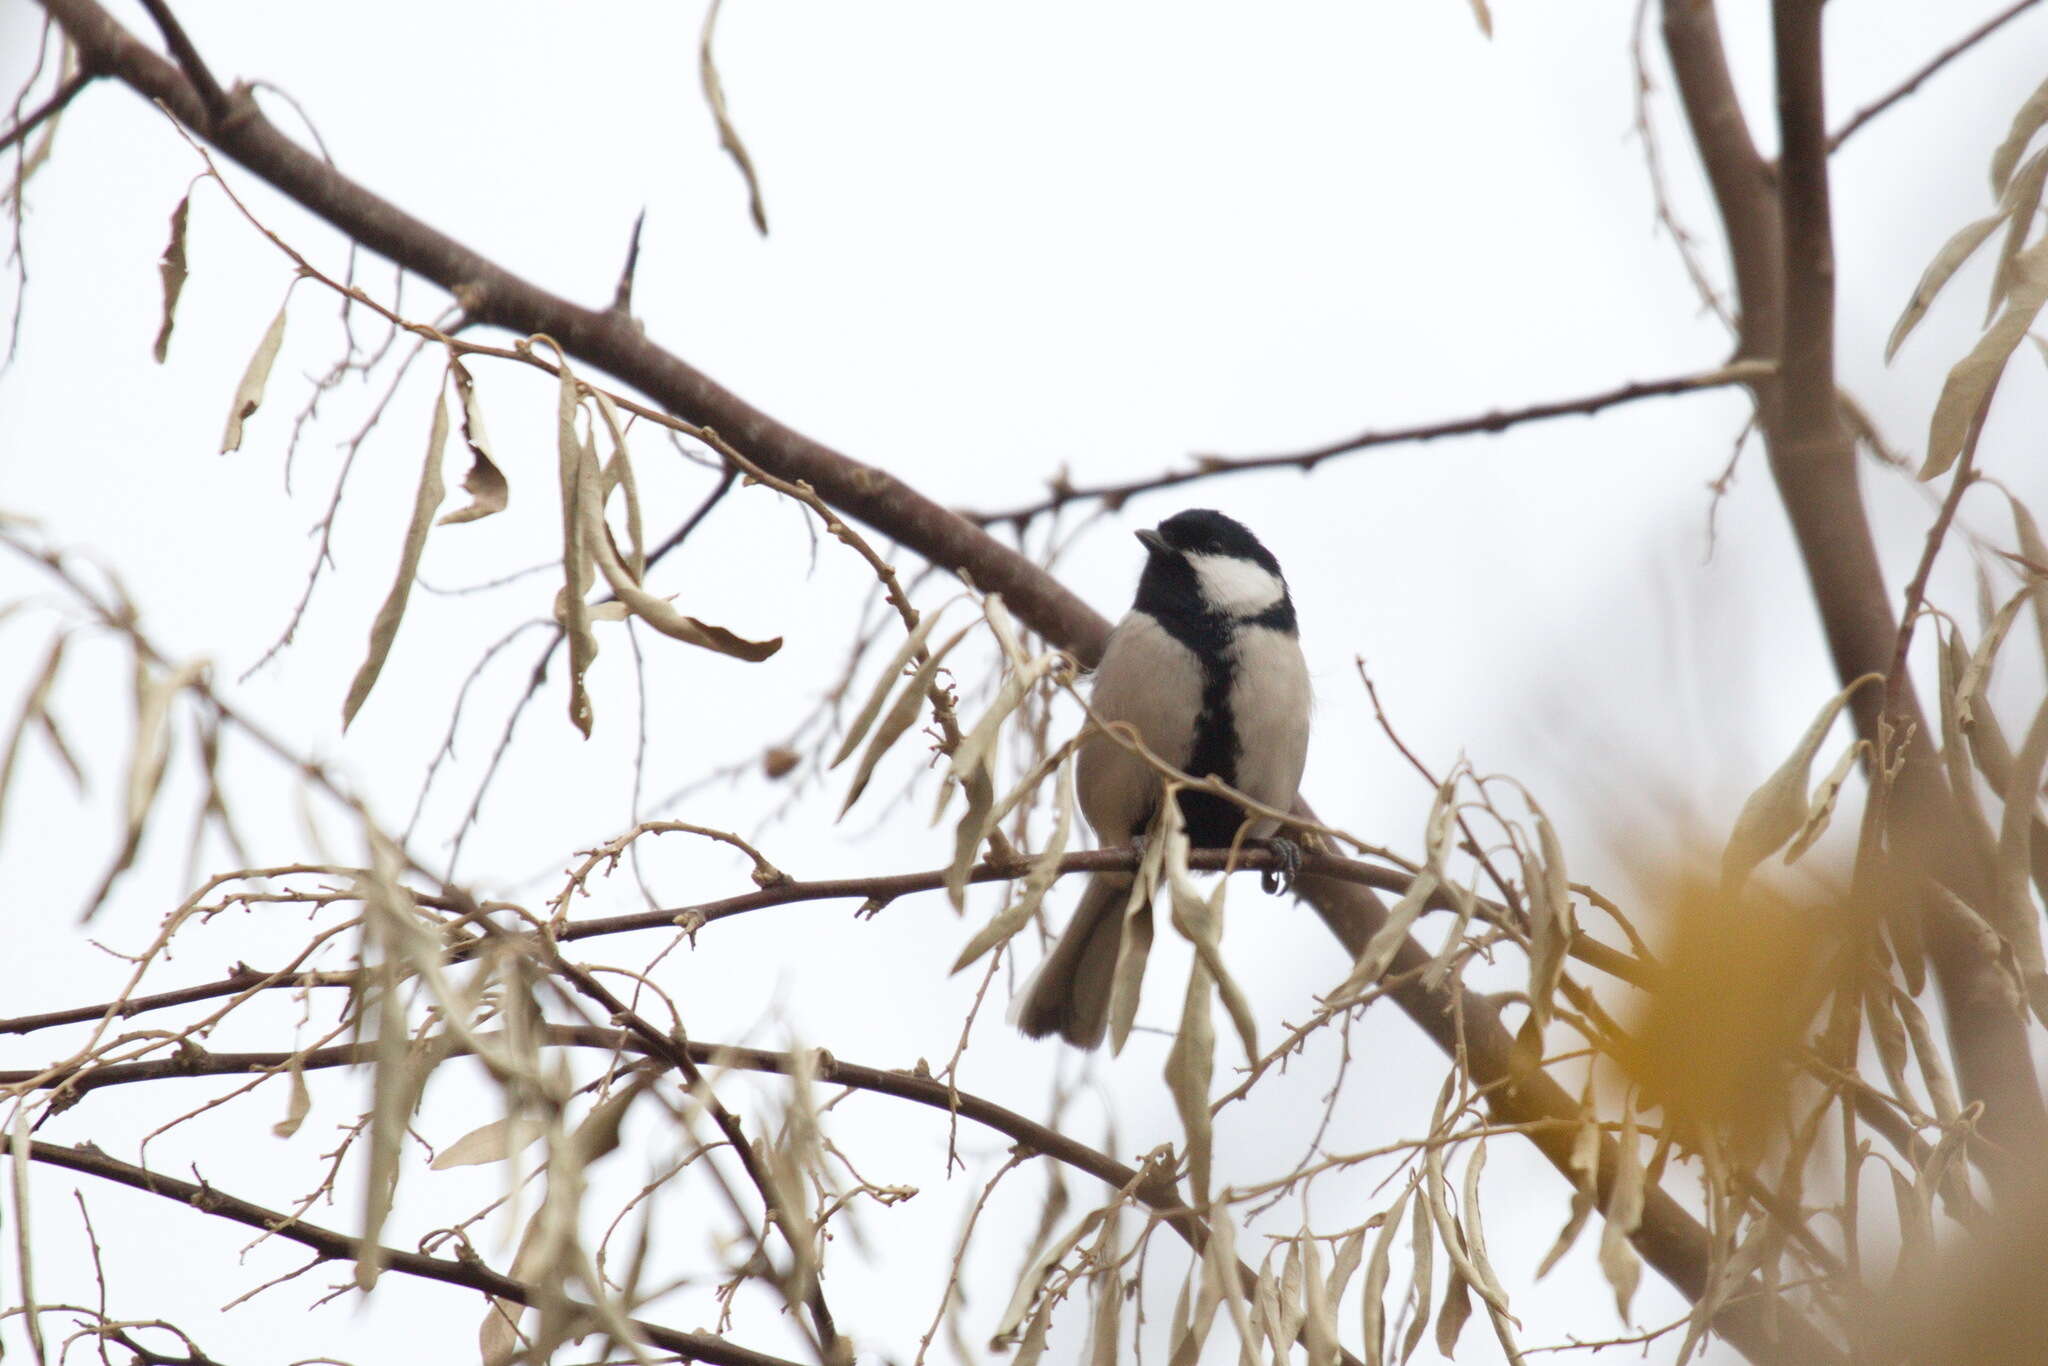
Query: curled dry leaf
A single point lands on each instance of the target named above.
(728, 136)
(384, 630)
(485, 483)
(298, 1106)
(2017, 920)
(1135, 945)
(249, 393)
(172, 268)
(655, 611)
(33, 710)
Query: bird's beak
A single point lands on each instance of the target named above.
(1154, 541)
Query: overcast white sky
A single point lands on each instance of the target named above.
(1005, 239)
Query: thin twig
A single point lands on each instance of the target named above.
(48, 109)
(1499, 420)
(1934, 64)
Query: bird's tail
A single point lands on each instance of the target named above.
(1069, 994)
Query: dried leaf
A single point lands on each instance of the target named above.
(1044, 869)
(485, 483)
(1978, 670)
(1825, 796)
(249, 393)
(2025, 124)
(1200, 922)
(656, 611)
(384, 630)
(1190, 1070)
(1970, 380)
(494, 1142)
(1319, 1325)
(299, 1105)
(2022, 202)
(172, 268)
(1349, 1255)
(33, 708)
(1386, 942)
(900, 716)
(1457, 1309)
(885, 681)
(1484, 16)
(1373, 1301)
(1775, 812)
(980, 741)
(973, 827)
(728, 136)
(1550, 922)
(571, 609)
(618, 474)
(1618, 1260)
(1422, 1258)
(1134, 945)
(2012, 910)
(1939, 272)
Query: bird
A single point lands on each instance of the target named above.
(1207, 668)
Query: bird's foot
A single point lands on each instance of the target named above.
(1275, 881)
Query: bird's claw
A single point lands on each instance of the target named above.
(1275, 881)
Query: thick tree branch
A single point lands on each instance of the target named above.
(1500, 420)
(1780, 241)
(330, 1244)
(1467, 1028)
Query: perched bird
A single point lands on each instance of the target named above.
(1206, 667)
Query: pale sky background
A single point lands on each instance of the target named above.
(1005, 239)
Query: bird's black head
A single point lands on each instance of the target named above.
(1201, 563)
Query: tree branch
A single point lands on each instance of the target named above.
(1208, 466)
(48, 109)
(1940, 60)
(1154, 1188)
(333, 1245)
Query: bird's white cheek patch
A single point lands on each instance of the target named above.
(1236, 586)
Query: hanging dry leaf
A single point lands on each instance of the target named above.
(2020, 205)
(1775, 812)
(494, 1142)
(1618, 1260)
(249, 393)
(485, 483)
(2025, 123)
(1190, 1071)
(172, 268)
(571, 607)
(298, 1106)
(886, 681)
(1970, 380)
(900, 717)
(384, 630)
(728, 136)
(1373, 1302)
(1044, 868)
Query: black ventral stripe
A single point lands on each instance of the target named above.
(1211, 820)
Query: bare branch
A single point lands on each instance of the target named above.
(1500, 420)
(1934, 64)
(332, 1245)
(47, 110)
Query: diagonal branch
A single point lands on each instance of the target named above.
(47, 110)
(333, 1245)
(1936, 63)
